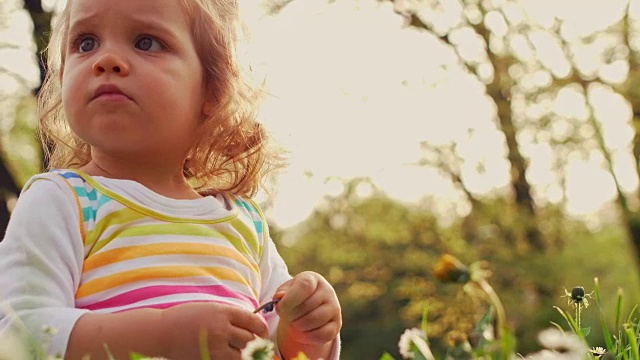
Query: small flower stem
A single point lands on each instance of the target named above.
(578, 313)
(422, 346)
(496, 303)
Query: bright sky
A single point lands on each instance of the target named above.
(353, 94)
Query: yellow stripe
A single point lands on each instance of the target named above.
(132, 252)
(117, 217)
(159, 272)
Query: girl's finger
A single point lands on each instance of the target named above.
(307, 307)
(323, 334)
(314, 319)
(239, 338)
(301, 287)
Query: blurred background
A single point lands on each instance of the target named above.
(506, 131)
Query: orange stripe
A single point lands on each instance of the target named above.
(158, 272)
(108, 257)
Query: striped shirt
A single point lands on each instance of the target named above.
(80, 243)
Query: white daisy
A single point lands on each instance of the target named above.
(406, 339)
(598, 351)
(258, 349)
(566, 344)
(416, 338)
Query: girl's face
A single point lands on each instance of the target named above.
(132, 80)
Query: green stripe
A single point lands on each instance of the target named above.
(249, 235)
(171, 229)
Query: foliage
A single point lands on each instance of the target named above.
(497, 342)
(378, 254)
(21, 148)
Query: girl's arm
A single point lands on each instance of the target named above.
(122, 333)
(174, 333)
(41, 263)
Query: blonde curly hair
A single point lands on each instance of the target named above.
(233, 151)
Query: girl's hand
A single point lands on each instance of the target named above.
(310, 316)
(228, 329)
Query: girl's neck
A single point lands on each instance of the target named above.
(166, 181)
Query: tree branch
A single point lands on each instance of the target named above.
(19, 78)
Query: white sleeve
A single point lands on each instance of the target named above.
(41, 260)
(274, 272)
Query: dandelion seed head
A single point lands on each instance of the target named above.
(577, 297)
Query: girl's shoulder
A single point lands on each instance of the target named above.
(63, 179)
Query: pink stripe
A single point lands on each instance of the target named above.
(163, 306)
(134, 296)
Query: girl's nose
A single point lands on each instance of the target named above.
(110, 63)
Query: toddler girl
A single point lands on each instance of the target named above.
(144, 236)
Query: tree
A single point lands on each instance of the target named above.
(497, 25)
(9, 187)
(41, 30)
(526, 67)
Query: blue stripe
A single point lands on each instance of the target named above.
(88, 214)
(103, 200)
(258, 225)
(69, 175)
(82, 192)
(247, 206)
(92, 195)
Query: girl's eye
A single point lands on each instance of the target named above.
(147, 43)
(87, 44)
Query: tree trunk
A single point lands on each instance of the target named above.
(525, 205)
(41, 30)
(42, 27)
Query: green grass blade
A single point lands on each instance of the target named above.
(633, 310)
(596, 289)
(619, 308)
(424, 323)
(204, 345)
(633, 342)
(567, 317)
(557, 325)
(386, 356)
(603, 323)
